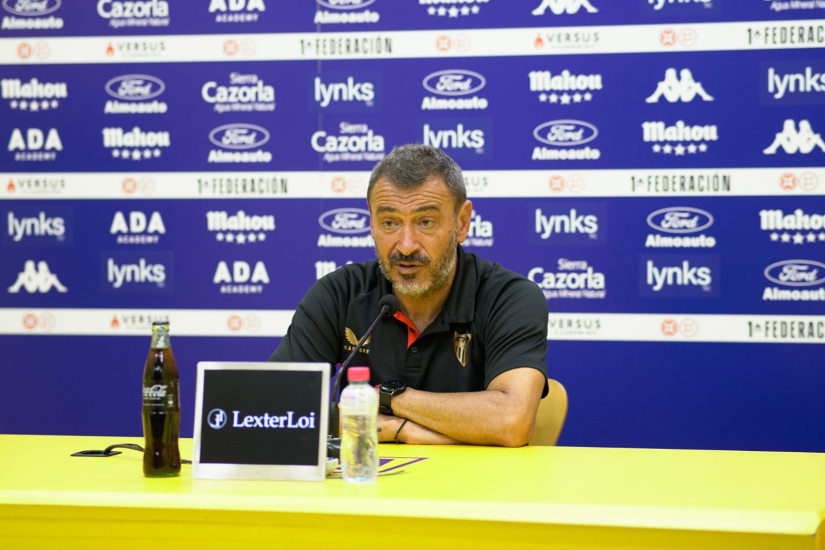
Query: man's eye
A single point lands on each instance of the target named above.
(427, 223)
(388, 224)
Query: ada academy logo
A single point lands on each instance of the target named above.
(236, 11)
(31, 15)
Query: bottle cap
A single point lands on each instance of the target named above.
(358, 374)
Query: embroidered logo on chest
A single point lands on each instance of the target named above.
(461, 344)
(353, 341)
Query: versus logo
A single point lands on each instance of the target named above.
(573, 279)
(451, 85)
(31, 10)
(345, 221)
(559, 7)
(35, 147)
(216, 419)
(345, 13)
(792, 83)
(245, 93)
(239, 11)
(355, 142)
(137, 272)
(148, 13)
(240, 228)
(337, 91)
(38, 227)
(797, 274)
(137, 230)
(36, 279)
(241, 279)
(136, 90)
(565, 133)
(569, 224)
(687, 276)
(680, 220)
(239, 137)
(32, 95)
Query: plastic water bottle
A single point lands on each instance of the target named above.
(359, 415)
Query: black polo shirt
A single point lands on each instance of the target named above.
(493, 320)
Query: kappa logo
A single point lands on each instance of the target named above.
(137, 230)
(461, 345)
(241, 279)
(31, 15)
(240, 228)
(353, 340)
(573, 279)
(245, 93)
(33, 95)
(355, 142)
(680, 220)
(679, 88)
(781, 226)
(135, 91)
(236, 11)
(564, 88)
(238, 138)
(796, 274)
(35, 146)
(793, 141)
(345, 12)
(452, 11)
(146, 13)
(38, 279)
(689, 139)
(135, 144)
(566, 134)
(559, 7)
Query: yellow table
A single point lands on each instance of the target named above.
(457, 497)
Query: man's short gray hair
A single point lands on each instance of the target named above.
(409, 166)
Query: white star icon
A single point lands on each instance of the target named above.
(554, 98)
(54, 104)
(680, 149)
(465, 11)
(565, 99)
(442, 11)
(34, 106)
(811, 237)
(774, 237)
(786, 238)
(240, 239)
(219, 237)
(542, 97)
(115, 153)
(135, 155)
(657, 148)
(230, 237)
(124, 154)
(692, 148)
(147, 153)
(454, 12)
(431, 10)
(251, 237)
(822, 236)
(261, 237)
(24, 105)
(588, 96)
(476, 9)
(577, 98)
(667, 149)
(13, 104)
(703, 147)
(798, 238)
(44, 104)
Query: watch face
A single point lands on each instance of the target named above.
(393, 385)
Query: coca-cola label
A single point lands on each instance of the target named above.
(161, 395)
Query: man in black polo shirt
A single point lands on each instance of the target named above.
(463, 361)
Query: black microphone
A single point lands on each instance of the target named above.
(388, 306)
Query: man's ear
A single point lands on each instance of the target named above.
(464, 215)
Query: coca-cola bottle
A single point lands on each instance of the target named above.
(161, 407)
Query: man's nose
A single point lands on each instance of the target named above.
(408, 242)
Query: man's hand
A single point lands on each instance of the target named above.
(411, 433)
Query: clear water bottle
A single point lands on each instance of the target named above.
(359, 437)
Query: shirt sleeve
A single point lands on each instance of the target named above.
(516, 331)
(313, 335)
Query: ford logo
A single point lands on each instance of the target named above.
(347, 221)
(454, 82)
(345, 4)
(680, 219)
(135, 87)
(239, 136)
(31, 8)
(565, 133)
(796, 273)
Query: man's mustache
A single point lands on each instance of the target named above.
(417, 258)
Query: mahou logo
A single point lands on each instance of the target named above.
(135, 144)
(147, 13)
(134, 92)
(236, 11)
(681, 221)
(798, 275)
(354, 142)
(31, 15)
(345, 11)
(238, 139)
(564, 88)
(566, 137)
(454, 90)
(137, 227)
(797, 227)
(572, 279)
(244, 93)
(34, 144)
(559, 7)
(241, 278)
(687, 138)
(240, 228)
(33, 95)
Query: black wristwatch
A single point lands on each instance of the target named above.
(385, 393)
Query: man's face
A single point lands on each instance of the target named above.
(416, 231)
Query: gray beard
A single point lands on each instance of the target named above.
(409, 286)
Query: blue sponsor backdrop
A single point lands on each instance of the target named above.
(589, 255)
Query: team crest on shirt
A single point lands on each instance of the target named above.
(353, 340)
(461, 343)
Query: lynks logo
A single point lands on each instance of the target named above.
(796, 274)
(701, 4)
(466, 139)
(451, 85)
(688, 276)
(337, 91)
(33, 13)
(39, 228)
(344, 13)
(136, 90)
(680, 220)
(564, 224)
(238, 138)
